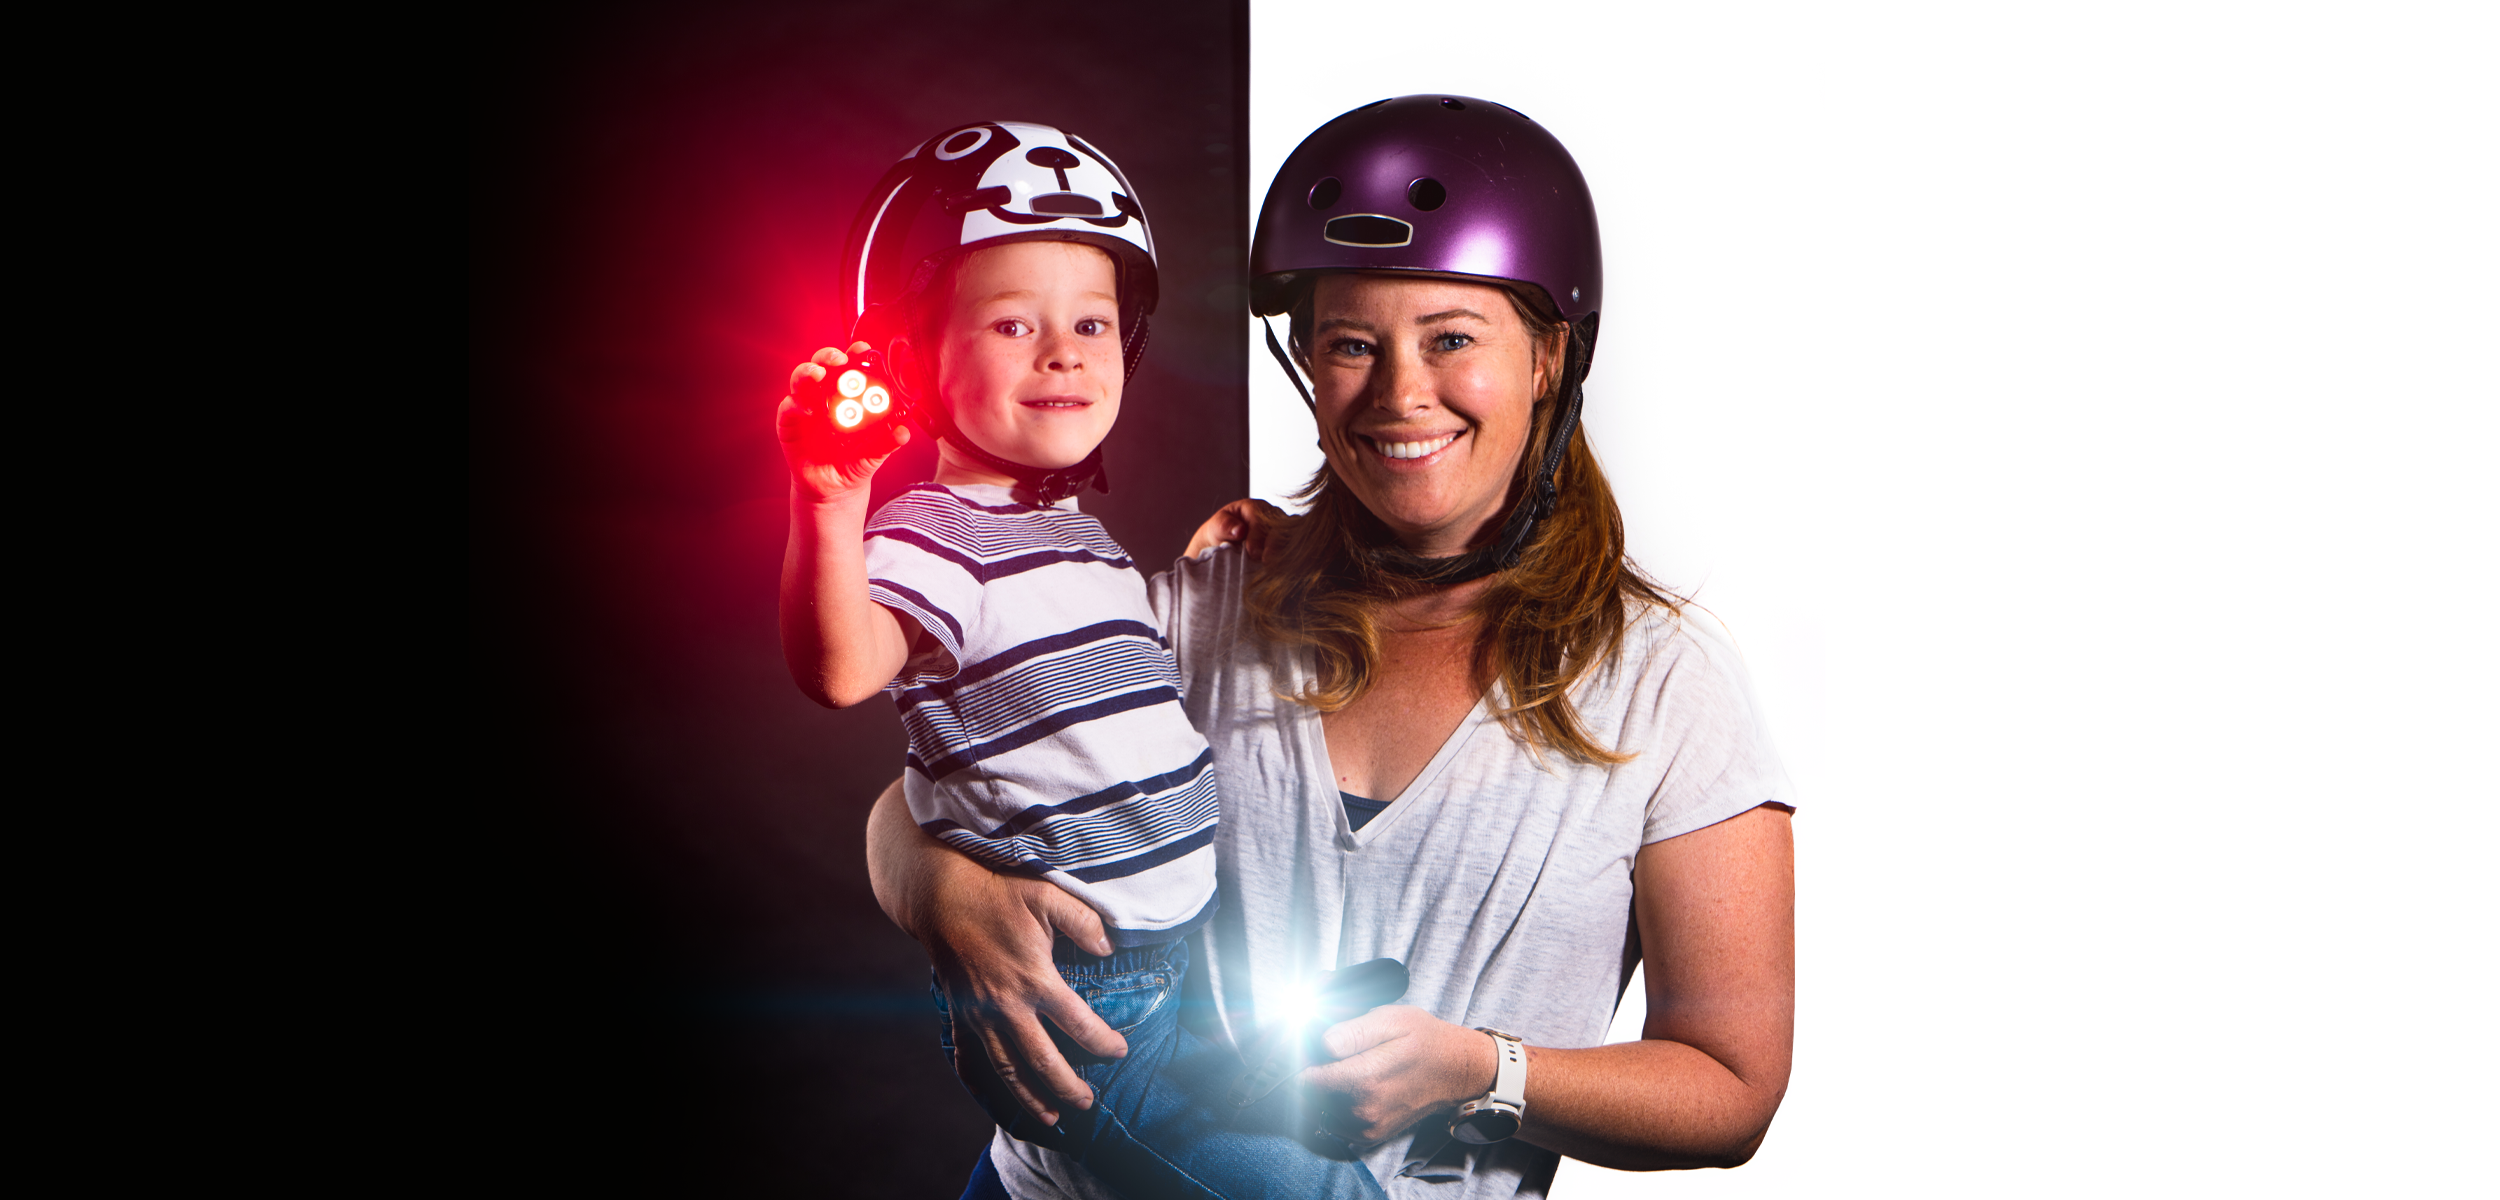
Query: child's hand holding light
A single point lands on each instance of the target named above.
(827, 464)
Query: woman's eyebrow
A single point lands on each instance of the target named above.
(1342, 323)
(1455, 312)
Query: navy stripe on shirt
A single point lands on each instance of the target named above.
(1046, 726)
(1071, 679)
(1111, 795)
(1027, 652)
(1148, 861)
(991, 572)
(1103, 845)
(921, 604)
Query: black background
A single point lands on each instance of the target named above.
(691, 990)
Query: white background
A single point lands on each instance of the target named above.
(2083, 417)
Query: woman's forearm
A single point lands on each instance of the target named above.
(906, 866)
(1645, 1106)
(1699, 1090)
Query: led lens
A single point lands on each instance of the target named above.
(849, 414)
(851, 383)
(876, 399)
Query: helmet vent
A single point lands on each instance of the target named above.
(1447, 102)
(1069, 204)
(1325, 192)
(962, 143)
(1368, 229)
(1426, 194)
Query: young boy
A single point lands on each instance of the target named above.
(1009, 267)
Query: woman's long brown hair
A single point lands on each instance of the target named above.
(1547, 620)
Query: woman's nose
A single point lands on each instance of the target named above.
(1400, 385)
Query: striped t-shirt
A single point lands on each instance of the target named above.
(1048, 736)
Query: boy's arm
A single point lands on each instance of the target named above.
(842, 647)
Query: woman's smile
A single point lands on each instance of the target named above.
(1407, 448)
(1425, 392)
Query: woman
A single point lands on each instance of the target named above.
(1454, 726)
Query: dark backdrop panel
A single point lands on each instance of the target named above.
(692, 990)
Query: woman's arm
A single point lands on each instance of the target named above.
(988, 936)
(1716, 911)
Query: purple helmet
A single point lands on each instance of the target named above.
(1447, 184)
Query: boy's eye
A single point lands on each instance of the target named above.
(1012, 327)
(1093, 327)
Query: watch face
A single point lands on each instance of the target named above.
(1486, 1127)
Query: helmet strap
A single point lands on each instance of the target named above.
(1051, 486)
(1286, 361)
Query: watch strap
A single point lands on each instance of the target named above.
(1495, 1116)
(1510, 1069)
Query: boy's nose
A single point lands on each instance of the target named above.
(1059, 353)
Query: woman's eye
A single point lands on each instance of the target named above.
(1350, 348)
(1446, 342)
(1012, 328)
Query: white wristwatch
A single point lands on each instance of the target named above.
(1495, 1115)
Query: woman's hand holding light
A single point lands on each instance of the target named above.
(1397, 1065)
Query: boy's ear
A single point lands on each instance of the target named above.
(908, 366)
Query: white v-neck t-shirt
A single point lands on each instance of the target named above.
(1501, 879)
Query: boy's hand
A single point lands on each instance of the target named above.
(1243, 521)
(826, 464)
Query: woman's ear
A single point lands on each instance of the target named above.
(1548, 360)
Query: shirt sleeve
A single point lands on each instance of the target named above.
(1719, 759)
(1186, 597)
(924, 581)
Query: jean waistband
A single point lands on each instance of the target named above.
(1127, 960)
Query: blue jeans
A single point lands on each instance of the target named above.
(1162, 1125)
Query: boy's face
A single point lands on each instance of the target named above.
(1029, 354)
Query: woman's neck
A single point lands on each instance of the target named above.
(1442, 608)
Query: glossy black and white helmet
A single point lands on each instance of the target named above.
(986, 184)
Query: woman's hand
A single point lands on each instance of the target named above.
(1397, 1065)
(824, 464)
(1243, 521)
(989, 937)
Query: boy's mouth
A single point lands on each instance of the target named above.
(1411, 449)
(1057, 402)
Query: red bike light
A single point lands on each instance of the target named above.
(863, 395)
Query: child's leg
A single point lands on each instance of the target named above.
(1161, 1125)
